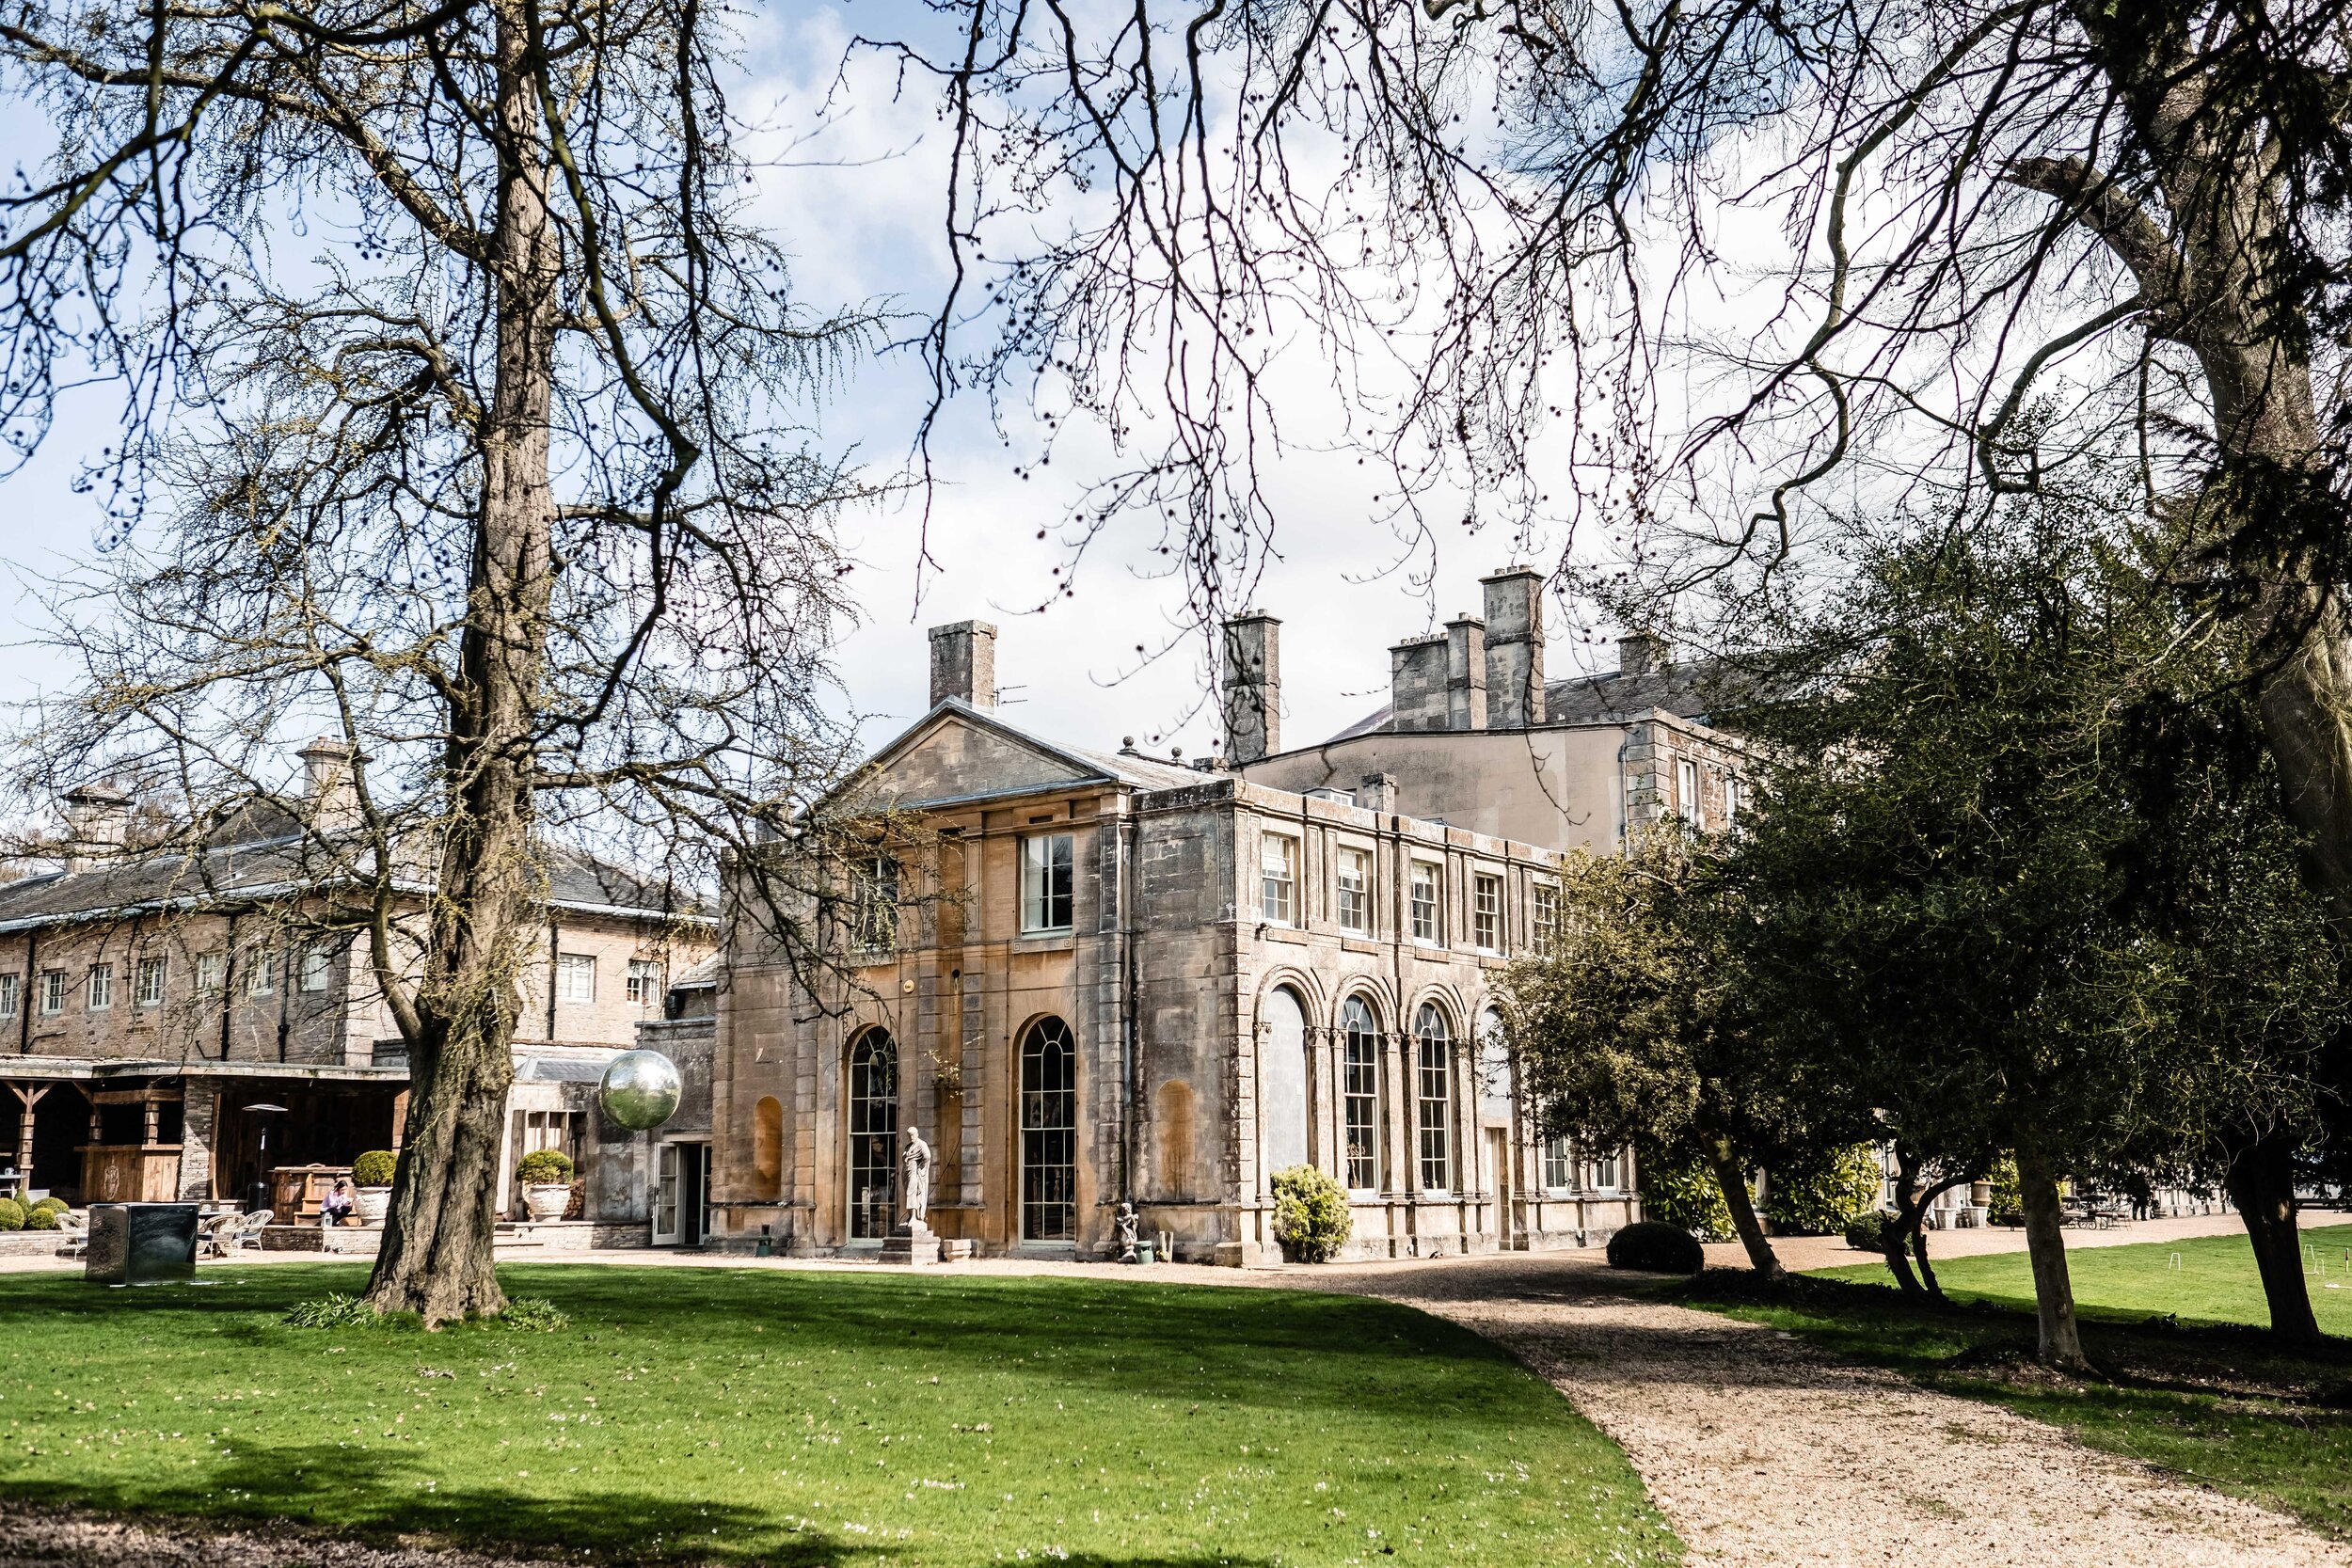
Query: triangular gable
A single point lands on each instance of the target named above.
(958, 753)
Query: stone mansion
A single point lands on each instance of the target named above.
(1105, 978)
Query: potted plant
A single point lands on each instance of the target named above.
(546, 1179)
(371, 1184)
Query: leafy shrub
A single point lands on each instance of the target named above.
(1310, 1217)
(42, 1217)
(543, 1167)
(12, 1215)
(1658, 1248)
(55, 1205)
(1688, 1198)
(1819, 1202)
(375, 1168)
(1867, 1232)
(535, 1314)
(2008, 1205)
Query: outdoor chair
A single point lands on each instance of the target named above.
(232, 1233)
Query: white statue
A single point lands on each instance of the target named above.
(917, 1162)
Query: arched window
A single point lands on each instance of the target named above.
(767, 1144)
(1359, 1093)
(1282, 1082)
(1434, 1098)
(873, 1135)
(1049, 1132)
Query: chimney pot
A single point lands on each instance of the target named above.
(963, 663)
(329, 791)
(1466, 674)
(97, 825)
(1417, 684)
(1642, 653)
(1249, 685)
(1514, 648)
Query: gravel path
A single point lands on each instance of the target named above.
(48, 1538)
(1760, 1451)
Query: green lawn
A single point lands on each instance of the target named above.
(2213, 1282)
(809, 1417)
(2201, 1395)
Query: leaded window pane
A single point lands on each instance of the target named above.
(1359, 1070)
(1434, 1074)
(873, 1135)
(1049, 1132)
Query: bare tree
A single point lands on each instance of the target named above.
(502, 481)
(2011, 232)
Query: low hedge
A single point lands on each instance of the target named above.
(12, 1215)
(1657, 1248)
(1866, 1232)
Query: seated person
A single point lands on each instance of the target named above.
(336, 1206)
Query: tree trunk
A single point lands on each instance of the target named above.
(2061, 1343)
(2262, 1185)
(1891, 1236)
(1734, 1185)
(437, 1254)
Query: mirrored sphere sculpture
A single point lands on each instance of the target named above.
(640, 1090)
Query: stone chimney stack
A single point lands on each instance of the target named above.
(1466, 674)
(963, 663)
(1514, 648)
(97, 825)
(1417, 684)
(1377, 792)
(1642, 653)
(1249, 685)
(330, 794)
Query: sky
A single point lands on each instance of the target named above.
(859, 209)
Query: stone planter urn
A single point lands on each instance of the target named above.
(547, 1201)
(371, 1203)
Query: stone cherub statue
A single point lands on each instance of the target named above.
(916, 1161)
(1127, 1233)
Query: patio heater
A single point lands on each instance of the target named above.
(257, 1195)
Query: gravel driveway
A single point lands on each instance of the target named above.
(1761, 1450)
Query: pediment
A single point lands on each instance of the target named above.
(956, 754)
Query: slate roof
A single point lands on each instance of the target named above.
(236, 871)
(1696, 690)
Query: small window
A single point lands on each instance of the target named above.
(208, 971)
(53, 990)
(1277, 879)
(1424, 901)
(874, 906)
(1605, 1173)
(1558, 1164)
(1048, 898)
(102, 987)
(9, 984)
(575, 978)
(150, 991)
(644, 982)
(1486, 913)
(1732, 791)
(316, 965)
(1352, 879)
(1686, 792)
(260, 972)
(1546, 916)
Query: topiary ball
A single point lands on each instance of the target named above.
(40, 1217)
(375, 1168)
(1657, 1248)
(1866, 1232)
(55, 1205)
(12, 1215)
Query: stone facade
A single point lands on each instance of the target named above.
(1115, 980)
